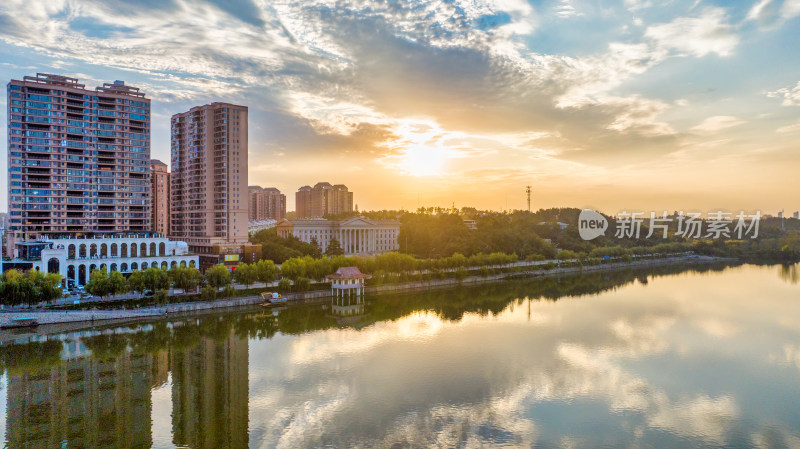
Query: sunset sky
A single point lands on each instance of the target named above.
(633, 104)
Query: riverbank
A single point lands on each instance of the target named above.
(98, 316)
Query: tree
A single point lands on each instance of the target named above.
(136, 282)
(117, 283)
(29, 288)
(266, 271)
(16, 288)
(156, 279)
(48, 286)
(218, 276)
(567, 255)
(334, 248)
(284, 285)
(184, 278)
(245, 274)
(302, 284)
(317, 251)
(98, 283)
(293, 268)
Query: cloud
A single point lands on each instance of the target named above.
(789, 128)
(790, 9)
(699, 36)
(717, 123)
(565, 9)
(791, 96)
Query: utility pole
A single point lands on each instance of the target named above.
(528, 191)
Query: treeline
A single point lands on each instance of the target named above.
(156, 282)
(278, 249)
(316, 269)
(29, 288)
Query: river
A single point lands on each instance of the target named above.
(662, 357)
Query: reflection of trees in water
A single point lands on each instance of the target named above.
(208, 359)
(450, 304)
(789, 273)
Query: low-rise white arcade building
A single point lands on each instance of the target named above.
(75, 256)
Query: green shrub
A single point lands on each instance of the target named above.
(208, 293)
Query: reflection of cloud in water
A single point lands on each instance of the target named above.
(318, 346)
(594, 374)
(791, 355)
(717, 328)
(384, 384)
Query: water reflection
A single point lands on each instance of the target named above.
(706, 358)
(790, 273)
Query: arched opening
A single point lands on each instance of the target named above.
(164, 265)
(144, 266)
(92, 267)
(192, 264)
(153, 249)
(114, 249)
(93, 250)
(114, 267)
(104, 250)
(123, 268)
(71, 251)
(174, 264)
(134, 250)
(183, 264)
(123, 250)
(143, 250)
(82, 275)
(53, 265)
(103, 267)
(82, 252)
(135, 266)
(71, 275)
(162, 249)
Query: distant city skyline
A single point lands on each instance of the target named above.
(628, 105)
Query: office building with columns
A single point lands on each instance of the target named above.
(209, 197)
(356, 235)
(159, 177)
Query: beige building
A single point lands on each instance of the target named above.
(78, 159)
(323, 199)
(356, 235)
(209, 195)
(266, 204)
(159, 178)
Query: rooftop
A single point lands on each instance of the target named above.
(348, 273)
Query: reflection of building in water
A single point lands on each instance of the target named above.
(344, 306)
(84, 402)
(210, 393)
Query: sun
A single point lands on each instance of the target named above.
(423, 160)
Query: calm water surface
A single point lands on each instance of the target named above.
(658, 358)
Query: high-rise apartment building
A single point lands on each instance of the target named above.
(159, 177)
(322, 199)
(77, 158)
(209, 196)
(266, 204)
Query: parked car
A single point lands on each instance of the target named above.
(148, 293)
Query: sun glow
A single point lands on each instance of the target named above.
(423, 160)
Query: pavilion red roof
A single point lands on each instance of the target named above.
(348, 273)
